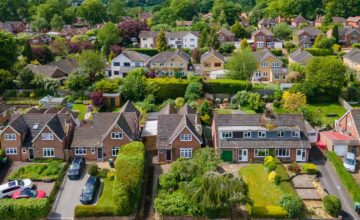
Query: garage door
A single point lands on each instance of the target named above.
(341, 150)
(227, 155)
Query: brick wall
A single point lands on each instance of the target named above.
(109, 143)
(177, 144)
(11, 144)
(40, 144)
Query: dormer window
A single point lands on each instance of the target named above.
(116, 135)
(47, 136)
(247, 134)
(262, 134)
(275, 64)
(295, 134)
(226, 134)
(10, 137)
(185, 137)
(280, 133)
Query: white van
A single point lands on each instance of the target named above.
(7, 189)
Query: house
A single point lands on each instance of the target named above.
(251, 137)
(169, 63)
(353, 22)
(101, 137)
(352, 59)
(66, 65)
(306, 36)
(300, 56)
(13, 27)
(178, 133)
(127, 61)
(51, 102)
(347, 36)
(184, 23)
(296, 22)
(270, 68)
(38, 134)
(211, 61)
(148, 39)
(225, 35)
(262, 38)
(179, 39)
(266, 23)
(5, 112)
(145, 16)
(47, 71)
(335, 20)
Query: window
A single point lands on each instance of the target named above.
(47, 136)
(265, 74)
(226, 134)
(217, 64)
(80, 151)
(185, 137)
(261, 152)
(48, 152)
(115, 151)
(137, 64)
(23, 151)
(207, 64)
(247, 134)
(181, 64)
(116, 135)
(10, 137)
(116, 73)
(261, 134)
(161, 64)
(264, 64)
(282, 152)
(93, 150)
(276, 77)
(275, 64)
(295, 134)
(258, 74)
(172, 38)
(192, 39)
(116, 63)
(10, 151)
(144, 38)
(280, 133)
(126, 64)
(260, 37)
(186, 152)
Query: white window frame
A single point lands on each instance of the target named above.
(275, 64)
(10, 136)
(280, 133)
(49, 152)
(115, 151)
(47, 136)
(247, 134)
(11, 151)
(282, 152)
(226, 134)
(256, 152)
(264, 64)
(295, 134)
(92, 150)
(80, 151)
(117, 135)
(186, 152)
(261, 134)
(185, 137)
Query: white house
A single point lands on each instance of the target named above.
(179, 39)
(125, 62)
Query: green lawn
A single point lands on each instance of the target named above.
(38, 172)
(106, 198)
(320, 111)
(81, 108)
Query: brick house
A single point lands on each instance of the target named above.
(38, 134)
(267, 23)
(306, 36)
(178, 133)
(263, 38)
(295, 22)
(225, 35)
(211, 61)
(101, 137)
(336, 20)
(347, 36)
(244, 137)
(13, 27)
(353, 22)
(270, 68)
(5, 112)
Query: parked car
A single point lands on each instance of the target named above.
(88, 192)
(29, 193)
(350, 162)
(7, 189)
(76, 168)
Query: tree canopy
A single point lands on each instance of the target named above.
(241, 65)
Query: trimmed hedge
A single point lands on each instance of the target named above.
(227, 86)
(23, 208)
(309, 168)
(169, 88)
(319, 52)
(345, 177)
(268, 212)
(146, 51)
(93, 211)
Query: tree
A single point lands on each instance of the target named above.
(184, 9)
(256, 103)
(109, 32)
(93, 11)
(9, 50)
(179, 102)
(293, 101)
(323, 42)
(11, 10)
(6, 79)
(227, 48)
(332, 205)
(116, 9)
(49, 8)
(24, 78)
(70, 15)
(196, 55)
(98, 99)
(59, 46)
(39, 24)
(27, 51)
(57, 22)
(130, 29)
(134, 86)
(222, 18)
(193, 91)
(161, 44)
(335, 33)
(77, 81)
(92, 63)
(282, 31)
(241, 65)
(244, 44)
(238, 30)
(205, 111)
(292, 204)
(106, 86)
(51, 85)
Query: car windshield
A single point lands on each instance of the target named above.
(87, 190)
(21, 183)
(349, 161)
(74, 166)
(28, 192)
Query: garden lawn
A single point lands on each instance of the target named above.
(320, 110)
(81, 109)
(106, 198)
(40, 172)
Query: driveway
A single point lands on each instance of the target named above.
(68, 198)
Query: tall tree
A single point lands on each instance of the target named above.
(116, 9)
(161, 44)
(93, 11)
(238, 30)
(91, 62)
(11, 10)
(134, 86)
(6, 79)
(335, 33)
(9, 50)
(27, 51)
(282, 31)
(130, 29)
(109, 32)
(241, 65)
(39, 24)
(57, 22)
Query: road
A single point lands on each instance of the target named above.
(68, 198)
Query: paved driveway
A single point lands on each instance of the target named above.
(68, 198)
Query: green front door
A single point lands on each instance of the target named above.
(227, 155)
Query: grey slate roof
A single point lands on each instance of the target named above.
(226, 32)
(167, 109)
(47, 71)
(66, 65)
(186, 110)
(309, 30)
(136, 56)
(261, 55)
(166, 55)
(19, 124)
(129, 107)
(210, 53)
(300, 56)
(300, 19)
(185, 122)
(265, 31)
(56, 126)
(353, 55)
(4, 107)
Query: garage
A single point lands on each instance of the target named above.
(227, 155)
(340, 150)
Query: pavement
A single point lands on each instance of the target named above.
(67, 198)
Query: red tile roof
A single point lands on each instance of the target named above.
(337, 136)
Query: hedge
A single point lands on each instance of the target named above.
(227, 86)
(146, 51)
(319, 52)
(345, 177)
(169, 88)
(268, 212)
(23, 208)
(309, 168)
(93, 211)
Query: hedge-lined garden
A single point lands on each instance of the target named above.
(227, 86)
(38, 172)
(124, 190)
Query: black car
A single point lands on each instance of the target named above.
(88, 192)
(76, 168)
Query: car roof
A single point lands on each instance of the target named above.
(350, 155)
(8, 185)
(77, 160)
(91, 181)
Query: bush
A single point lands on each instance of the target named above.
(294, 168)
(93, 211)
(227, 86)
(309, 168)
(270, 164)
(332, 205)
(268, 212)
(26, 209)
(292, 204)
(147, 51)
(38, 172)
(93, 169)
(319, 52)
(175, 204)
(355, 46)
(277, 104)
(169, 88)
(272, 176)
(110, 175)
(168, 181)
(103, 173)
(277, 180)
(276, 52)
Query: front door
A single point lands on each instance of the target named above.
(168, 155)
(300, 155)
(100, 155)
(243, 155)
(31, 154)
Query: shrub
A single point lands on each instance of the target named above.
(110, 175)
(272, 176)
(148, 51)
(269, 163)
(175, 204)
(276, 52)
(319, 52)
(332, 205)
(227, 86)
(93, 211)
(268, 212)
(277, 104)
(355, 45)
(168, 181)
(26, 209)
(277, 180)
(93, 169)
(103, 173)
(294, 168)
(309, 168)
(292, 204)
(169, 88)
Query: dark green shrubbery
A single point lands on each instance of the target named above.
(26, 209)
(319, 52)
(292, 204)
(169, 88)
(227, 86)
(268, 212)
(332, 205)
(93, 211)
(93, 169)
